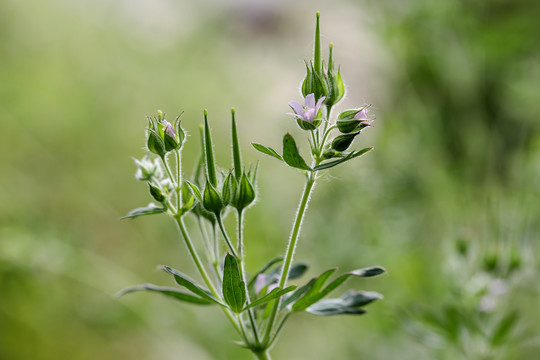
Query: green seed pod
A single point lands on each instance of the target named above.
(155, 144)
(156, 193)
(314, 83)
(211, 199)
(334, 83)
(246, 193)
(227, 191)
(342, 142)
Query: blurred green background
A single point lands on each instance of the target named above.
(455, 89)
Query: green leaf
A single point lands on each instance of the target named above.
(366, 272)
(149, 209)
(274, 294)
(237, 160)
(350, 303)
(190, 284)
(209, 152)
(291, 155)
(234, 291)
(297, 294)
(352, 155)
(169, 292)
(195, 190)
(264, 269)
(267, 151)
(310, 296)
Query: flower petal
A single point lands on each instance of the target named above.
(297, 108)
(309, 115)
(361, 115)
(319, 103)
(310, 101)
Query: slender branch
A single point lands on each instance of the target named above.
(169, 173)
(178, 179)
(196, 259)
(226, 237)
(290, 252)
(243, 274)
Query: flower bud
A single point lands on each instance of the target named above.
(334, 82)
(330, 153)
(211, 199)
(245, 194)
(147, 169)
(155, 144)
(353, 120)
(313, 83)
(156, 193)
(342, 142)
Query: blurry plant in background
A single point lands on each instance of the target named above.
(259, 306)
(453, 83)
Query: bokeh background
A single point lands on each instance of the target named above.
(454, 85)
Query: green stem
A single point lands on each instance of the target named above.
(169, 173)
(262, 355)
(178, 179)
(290, 252)
(226, 237)
(243, 274)
(196, 259)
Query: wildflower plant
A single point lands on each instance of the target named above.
(257, 305)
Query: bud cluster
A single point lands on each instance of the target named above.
(164, 137)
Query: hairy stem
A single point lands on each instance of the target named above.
(243, 274)
(290, 253)
(196, 259)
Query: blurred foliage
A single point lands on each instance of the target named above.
(454, 85)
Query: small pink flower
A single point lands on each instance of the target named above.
(309, 111)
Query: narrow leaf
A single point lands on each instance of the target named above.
(291, 155)
(147, 210)
(195, 190)
(190, 284)
(350, 303)
(169, 292)
(234, 291)
(267, 150)
(275, 293)
(297, 294)
(311, 295)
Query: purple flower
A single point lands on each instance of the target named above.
(362, 115)
(169, 128)
(309, 111)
